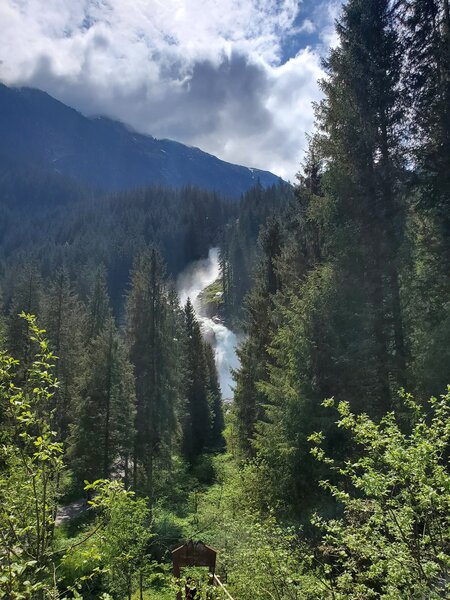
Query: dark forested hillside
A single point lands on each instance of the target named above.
(240, 247)
(38, 131)
(107, 230)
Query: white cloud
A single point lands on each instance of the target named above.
(308, 26)
(205, 72)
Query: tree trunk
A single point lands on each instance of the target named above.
(106, 458)
(379, 329)
(399, 338)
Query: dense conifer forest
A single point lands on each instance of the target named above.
(327, 475)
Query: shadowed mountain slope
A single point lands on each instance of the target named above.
(38, 131)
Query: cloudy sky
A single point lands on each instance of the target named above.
(234, 77)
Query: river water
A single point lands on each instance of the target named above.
(190, 284)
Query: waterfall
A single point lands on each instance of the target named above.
(190, 284)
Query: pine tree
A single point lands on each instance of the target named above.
(26, 298)
(149, 312)
(64, 318)
(240, 251)
(98, 309)
(298, 372)
(360, 120)
(2, 324)
(425, 33)
(253, 356)
(335, 322)
(197, 413)
(101, 441)
(216, 441)
(425, 28)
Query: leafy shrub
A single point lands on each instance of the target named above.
(394, 539)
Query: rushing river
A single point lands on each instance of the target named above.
(190, 284)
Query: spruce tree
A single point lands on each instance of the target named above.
(360, 120)
(425, 29)
(64, 317)
(98, 308)
(27, 297)
(335, 322)
(197, 412)
(101, 441)
(425, 34)
(2, 324)
(301, 349)
(149, 312)
(216, 441)
(253, 356)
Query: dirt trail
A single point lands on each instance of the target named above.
(71, 511)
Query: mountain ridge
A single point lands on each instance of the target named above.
(39, 130)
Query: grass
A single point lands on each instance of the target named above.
(209, 294)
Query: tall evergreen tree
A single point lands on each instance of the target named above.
(197, 412)
(253, 354)
(425, 31)
(2, 324)
(301, 349)
(240, 250)
(216, 441)
(101, 441)
(425, 27)
(336, 324)
(64, 318)
(149, 312)
(27, 297)
(98, 309)
(360, 120)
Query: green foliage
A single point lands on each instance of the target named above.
(351, 300)
(257, 557)
(125, 536)
(196, 583)
(197, 417)
(98, 310)
(80, 568)
(64, 316)
(31, 464)
(202, 418)
(216, 440)
(110, 231)
(34, 562)
(348, 297)
(154, 331)
(253, 354)
(394, 538)
(112, 555)
(2, 324)
(101, 441)
(268, 561)
(297, 380)
(26, 296)
(213, 294)
(240, 251)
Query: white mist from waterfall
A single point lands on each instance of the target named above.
(190, 284)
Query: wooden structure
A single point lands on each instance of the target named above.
(194, 554)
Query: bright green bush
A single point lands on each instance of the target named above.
(31, 463)
(393, 541)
